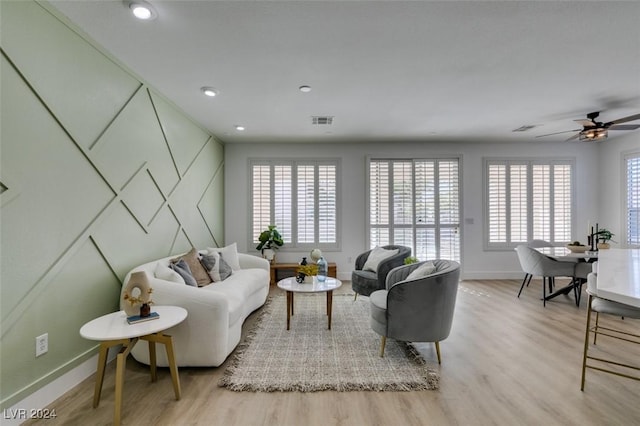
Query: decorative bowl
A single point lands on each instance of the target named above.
(577, 249)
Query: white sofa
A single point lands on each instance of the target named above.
(216, 312)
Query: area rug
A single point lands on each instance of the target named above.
(309, 357)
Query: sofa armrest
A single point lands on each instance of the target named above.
(248, 261)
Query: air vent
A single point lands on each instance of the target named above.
(524, 128)
(322, 120)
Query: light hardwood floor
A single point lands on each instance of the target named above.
(508, 361)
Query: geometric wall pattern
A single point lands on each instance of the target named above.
(98, 173)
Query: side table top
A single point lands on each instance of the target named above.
(290, 284)
(114, 326)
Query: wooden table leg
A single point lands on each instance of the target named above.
(152, 360)
(329, 306)
(121, 362)
(167, 341)
(102, 362)
(289, 300)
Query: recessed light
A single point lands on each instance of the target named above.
(209, 91)
(305, 89)
(142, 10)
(239, 128)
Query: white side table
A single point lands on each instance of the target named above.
(113, 329)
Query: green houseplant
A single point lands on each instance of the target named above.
(270, 240)
(603, 237)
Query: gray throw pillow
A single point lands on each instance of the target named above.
(212, 264)
(225, 270)
(182, 268)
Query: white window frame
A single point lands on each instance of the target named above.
(437, 226)
(529, 163)
(292, 244)
(632, 241)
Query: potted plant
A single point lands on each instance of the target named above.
(411, 259)
(270, 240)
(603, 237)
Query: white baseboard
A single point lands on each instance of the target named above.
(43, 397)
(492, 275)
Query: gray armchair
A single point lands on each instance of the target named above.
(418, 310)
(366, 282)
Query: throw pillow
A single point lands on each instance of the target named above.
(166, 273)
(377, 255)
(182, 268)
(197, 270)
(230, 254)
(211, 263)
(225, 269)
(427, 268)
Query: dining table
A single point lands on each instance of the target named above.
(563, 254)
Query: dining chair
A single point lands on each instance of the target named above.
(535, 263)
(604, 306)
(535, 244)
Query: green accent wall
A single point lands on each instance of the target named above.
(98, 174)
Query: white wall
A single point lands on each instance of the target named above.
(476, 263)
(611, 186)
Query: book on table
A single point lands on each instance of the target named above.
(133, 319)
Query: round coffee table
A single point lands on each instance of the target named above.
(291, 286)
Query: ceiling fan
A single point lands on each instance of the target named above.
(593, 130)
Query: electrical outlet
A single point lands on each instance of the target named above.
(42, 344)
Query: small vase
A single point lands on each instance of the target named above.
(322, 269)
(308, 279)
(603, 246)
(145, 310)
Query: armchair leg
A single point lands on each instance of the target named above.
(355, 296)
(438, 352)
(383, 342)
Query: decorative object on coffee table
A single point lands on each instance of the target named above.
(315, 255)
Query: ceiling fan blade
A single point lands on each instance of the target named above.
(586, 123)
(557, 133)
(576, 136)
(623, 120)
(624, 127)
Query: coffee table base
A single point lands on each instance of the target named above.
(290, 308)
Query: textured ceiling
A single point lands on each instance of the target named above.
(386, 71)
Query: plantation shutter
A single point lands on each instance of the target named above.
(528, 200)
(415, 203)
(633, 199)
(300, 198)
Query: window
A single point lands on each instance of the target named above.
(300, 197)
(526, 200)
(415, 203)
(632, 210)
